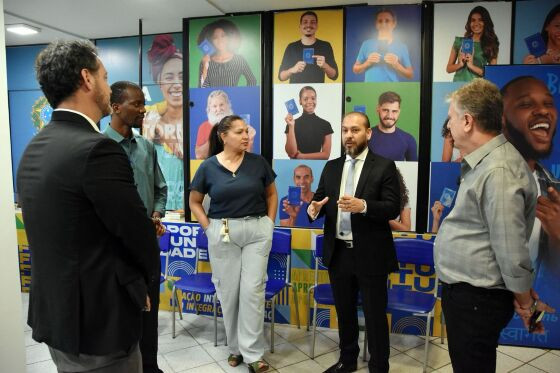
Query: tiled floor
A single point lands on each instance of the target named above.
(193, 351)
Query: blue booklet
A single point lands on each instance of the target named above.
(308, 55)
(382, 46)
(206, 47)
(294, 195)
(467, 46)
(447, 196)
(292, 107)
(535, 44)
(360, 108)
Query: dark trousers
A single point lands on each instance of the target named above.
(346, 283)
(474, 318)
(149, 339)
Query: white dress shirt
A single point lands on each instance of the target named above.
(360, 158)
(83, 115)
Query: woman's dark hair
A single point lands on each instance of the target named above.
(404, 190)
(553, 13)
(216, 144)
(444, 130)
(59, 68)
(207, 31)
(488, 41)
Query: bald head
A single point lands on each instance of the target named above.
(358, 117)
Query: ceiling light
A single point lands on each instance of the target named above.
(23, 29)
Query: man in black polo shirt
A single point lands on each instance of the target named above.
(295, 68)
(308, 137)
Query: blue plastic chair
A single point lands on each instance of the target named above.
(196, 283)
(419, 252)
(322, 293)
(164, 248)
(278, 280)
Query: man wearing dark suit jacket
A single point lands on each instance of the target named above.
(93, 248)
(358, 194)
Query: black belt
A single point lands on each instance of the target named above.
(345, 244)
(466, 287)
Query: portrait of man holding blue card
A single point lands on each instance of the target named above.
(293, 207)
(309, 136)
(309, 59)
(384, 58)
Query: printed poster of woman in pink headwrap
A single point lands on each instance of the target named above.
(163, 123)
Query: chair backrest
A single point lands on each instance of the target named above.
(281, 241)
(201, 239)
(201, 243)
(278, 267)
(415, 251)
(317, 250)
(164, 242)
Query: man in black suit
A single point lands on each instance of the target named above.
(93, 248)
(358, 194)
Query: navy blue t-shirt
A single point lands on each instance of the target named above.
(397, 146)
(235, 194)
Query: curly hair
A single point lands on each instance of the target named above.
(58, 68)
(488, 41)
(229, 28)
(404, 190)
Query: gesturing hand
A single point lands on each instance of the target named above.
(315, 206)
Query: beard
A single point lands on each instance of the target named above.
(523, 146)
(216, 118)
(356, 150)
(385, 124)
(103, 103)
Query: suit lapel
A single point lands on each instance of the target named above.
(337, 177)
(366, 169)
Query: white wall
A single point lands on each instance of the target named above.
(12, 350)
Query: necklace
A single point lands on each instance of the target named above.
(233, 174)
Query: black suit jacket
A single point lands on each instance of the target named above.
(378, 185)
(93, 248)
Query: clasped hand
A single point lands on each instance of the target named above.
(350, 204)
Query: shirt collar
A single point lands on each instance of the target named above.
(360, 157)
(475, 157)
(112, 134)
(83, 115)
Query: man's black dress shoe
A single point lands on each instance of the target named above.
(340, 367)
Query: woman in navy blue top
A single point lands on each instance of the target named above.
(239, 227)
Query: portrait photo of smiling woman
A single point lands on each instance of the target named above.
(163, 123)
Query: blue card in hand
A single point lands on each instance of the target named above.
(206, 47)
(535, 44)
(246, 118)
(447, 196)
(467, 46)
(308, 55)
(292, 107)
(360, 108)
(294, 195)
(382, 47)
